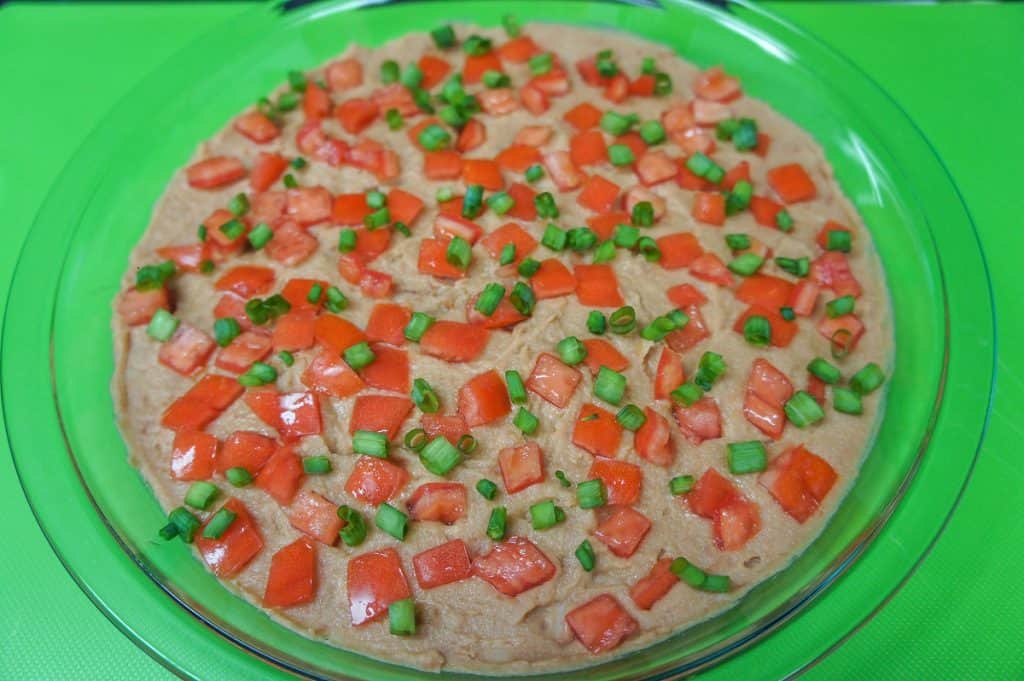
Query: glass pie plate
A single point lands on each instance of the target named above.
(101, 518)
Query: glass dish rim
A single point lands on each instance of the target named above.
(839, 565)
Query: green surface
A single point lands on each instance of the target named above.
(941, 624)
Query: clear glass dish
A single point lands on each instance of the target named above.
(100, 516)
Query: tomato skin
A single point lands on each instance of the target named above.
(245, 449)
(374, 481)
(622, 481)
(434, 70)
(193, 454)
(455, 341)
(554, 381)
(281, 476)
(444, 502)
(228, 555)
(138, 307)
(519, 49)
(292, 579)
(655, 586)
(700, 421)
(597, 431)
(187, 350)
(380, 414)
(484, 399)
(521, 466)
(442, 564)
(375, 580)
(524, 207)
(514, 566)
(598, 194)
(597, 286)
(653, 439)
(623, 530)
(316, 516)
(214, 172)
(442, 165)
(804, 298)
(601, 624)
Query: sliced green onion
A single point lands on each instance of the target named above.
(839, 343)
(652, 132)
(616, 124)
(623, 320)
(688, 572)
(544, 515)
(717, 583)
(596, 323)
(225, 330)
(495, 79)
(540, 63)
(798, 267)
(287, 101)
(258, 373)
(336, 300)
(402, 617)
(747, 457)
(745, 136)
(631, 417)
(847, 401)
(746, 264)
(377, 219)
(528, 267)
(467, 444)
(803, 410)
(489, 300)
(486, 488)
(678, 318)
(545, 205)
(150, 277)
(709, 370)
(496, 523)
(562, 479)
(649, 248)
(316, 291)
(604, 253)
(184, 523)
(219, 523)
(238, 476)
(440, 456)
(526, 421)
(416, 439)
(591, 494)
(286, 358)
(839, 306)
(724, 130)
(626, 236)
(376, 199)
(610, 386)
(784, 221)
(554, 238)
(643, 214)
(434, 137)
(838, 240)
(476, 46)
(867, 379)
(392, 521)
(401, 228)
(297, 80)
(424, 397)
(347, 240)
(444, 36)
(620, 155)
(289, 181)
(389, 72)
(260, 235)
(162, 325)
(508, 254)
(239, 204)
(316, 465)
(444, 194)
(824, 370)
(658, 328)
(417, 326)
(472, 201)
(359, 355)
(737, 242)
(571, 350)
(662, 84)
(523, 298)
(371, 443)
(585, 555)
(459, 252)
(739, 198)
(757, 330)
(680, 484)
(581, 239)
(687, 393)
(500, 203)
(516, 387)
(394, 119)
(201, 494)
(534, 173)
(699, 164)
(511, 25)
(787, 313)
(354, 531)
(412, 76)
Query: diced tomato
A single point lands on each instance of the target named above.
(472, 135)
(554, 83)
(604, 224)
(337, 334)
(598, 195)
(622, 480)
(678, 250)
(316, 103)
(521, 466)
(451, 427)
(602, 353)
(709, 267)
(509, 233)
(403, 206)
(236, 547)
(266, 171)
(804, 297)
(597, 431)
(193, 454)
(709, 113)
(454, 341)
(375, 580)
(376, 158)
(816, 388)
(396, 96)
(601, 624)
(636, 144)
(655, 586)
(643, 85)
(638, 194)
(138, 307)
(843, 331)
(653, 439)
(783, 330)
(562, 169)
(344, 74)
(292, 579)
(246, 280)
(314, 142)
(257, 127)
(484, 399)
(450, 226)
(583, 116)
(832, 270)
(434, 70)
(617, 89)
(655, 167)
(497, 102)
(711, 493)
(374, 481)
(379, 413)
(534, 135)
(202, 403)
(374, 284)
(442, 564)
(214, 172)
(764, 142)
(552, 279)
(524, 208)
(623, 530)
(442, 165)
(298, 415)
(553, 381)
(534, 100)
(266, 206)
(215, 390)
(799, 480)
(328, 375)
(700, 421)
(309, 205)
(187, 350)
(768, 418)
(669, 375)
(518, 157)
(588, 148)
(444, 502)
(246, 348)
(477, 65)
(685, 295)
(504, 316)
(519, 49)
(765, 211)
(350, 209)
(765, 290)
(686, 179)
(740, 171)
(433, 260)
(316, 516)
(387, 323)
(716, 85)
(695, 139)
(709, 208)
(767, 392)
(389, 371)
(587, 68)
(281, 476)
(791, 183)
(736, 524)
(484, 172)
(514, 566)
(597, 286)
(296, 292)
(294, 330)
(691, 335)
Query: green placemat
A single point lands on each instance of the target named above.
(954, 68)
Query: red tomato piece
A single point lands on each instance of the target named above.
(597, 431)
(292, 579)
(187, 258)
(291, 245)
(257, 127)
(265, 172)
(765, 290)
(328, 375)
(687, 180)
(562, 169)
(669, 375)
(294, 330)
(711, 493)
(374, 481)
(617, 89)
(709, 208)
(604, 224)
(534, 135)
(299, 415)
(832, 270)
(587, 148)
(452, 427)
(375, 158)
(314, 142)
(350, 209)
(691, 335)
(708, 113)
(554, 381)
(484, 172)
(583, 116)
(768, 383)
(740, 171)
(623, 530)
(602, 353)
(337, 334)
(700, 421)
(765, 211)
(442, 564)
(296, 292)
(509, 233)
(442, 165)
(655, 167)
(281, 476)
(239, 544)
(643, 85)
(218, 391)
(597, 286)
(187, 350)
(316, 516)
(246, 280)
(735, 525)
(484, 399)
(450, 226)
(266, 206)
(685, 295)
(138, 307)
(637, 194)
(396, 96)
(518, 157)
(709, 267)
(387, 323)
(534, 99)
(519, 49)
(768, 418)
(434, 70)
(655, 586)
(246, 348)
(653, 440)
(455, 341)
(389, 371)
(356, 114)
(375, 580)
(678, 250)
(309, 205)
(473, 134)
(843, 331)
(622, 480)
(497, 102)
(601, 624)
(444, 502)
(477, 65)
(716, 85)
(193, 454)
(504, 316)
(202, 403)
(433, 260)
(521, 466)
(598, 194)
(816, 388)
(380, 414)
(552, 279)
(783, 330)
(524, 207)
(514, 566)
(804, 297)
(791, 183)
(554, 83)
(403, 206)
(213, 172)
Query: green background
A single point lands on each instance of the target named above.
(954, 68)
